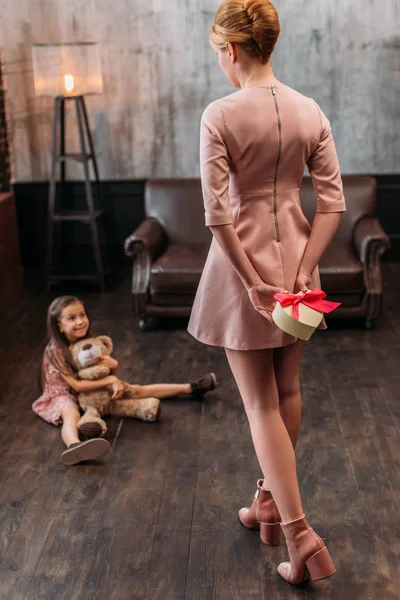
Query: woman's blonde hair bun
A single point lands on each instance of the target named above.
(254, 24)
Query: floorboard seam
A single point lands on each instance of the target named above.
(165, 471)
(12, 539)
(391, 413)
(194, 499)
(38, 561)
(117, 434)
(358, 487)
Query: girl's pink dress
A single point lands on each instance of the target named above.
(56, 396)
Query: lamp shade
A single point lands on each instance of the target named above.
(67, 69)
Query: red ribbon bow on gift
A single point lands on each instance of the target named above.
(312, 298)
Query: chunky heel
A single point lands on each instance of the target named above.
(309, 557)
(320, 564)
(264, 515)
(270, 533)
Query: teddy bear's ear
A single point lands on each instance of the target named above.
(107, 341)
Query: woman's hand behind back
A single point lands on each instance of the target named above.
(303, 282)
(262, 298)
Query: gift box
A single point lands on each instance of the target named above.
(300, 314)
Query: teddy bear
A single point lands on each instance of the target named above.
(97, 404)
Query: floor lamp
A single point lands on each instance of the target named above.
(68, 72)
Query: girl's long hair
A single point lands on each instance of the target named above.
(57, 349)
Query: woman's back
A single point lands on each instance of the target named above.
(254, 145)
(260, 139)
(263, 122)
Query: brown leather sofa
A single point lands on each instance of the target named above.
(170, 246)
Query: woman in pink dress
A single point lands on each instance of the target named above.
(254, 146)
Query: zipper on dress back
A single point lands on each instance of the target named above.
(277, 160)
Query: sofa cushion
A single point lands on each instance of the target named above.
(347, 300)
(172, 299)
(178, 271)
(340, 270)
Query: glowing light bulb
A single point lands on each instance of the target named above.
(69, 83)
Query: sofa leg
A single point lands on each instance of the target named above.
(369, 322)
(148, 323)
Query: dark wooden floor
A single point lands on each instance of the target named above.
(158, 520)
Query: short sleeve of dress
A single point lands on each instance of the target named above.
(52, 373)
(53, 368)
(214, 167)
(323, 165)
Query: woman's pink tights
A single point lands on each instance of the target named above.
(269, 384)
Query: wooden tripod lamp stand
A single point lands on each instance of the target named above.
(68, 72)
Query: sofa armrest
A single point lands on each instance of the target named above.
(371, 242)
(369, 239)
(144, 246)
(151, 234)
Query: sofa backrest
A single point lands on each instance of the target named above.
(360, 197)
(178, 205)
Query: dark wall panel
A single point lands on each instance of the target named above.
(125, 211)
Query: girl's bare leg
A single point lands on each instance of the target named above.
(69, 430)
(163, 390)
(287, 361)
(254, 373)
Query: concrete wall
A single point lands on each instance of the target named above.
(160, 73)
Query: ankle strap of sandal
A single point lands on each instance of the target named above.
(294, 520)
